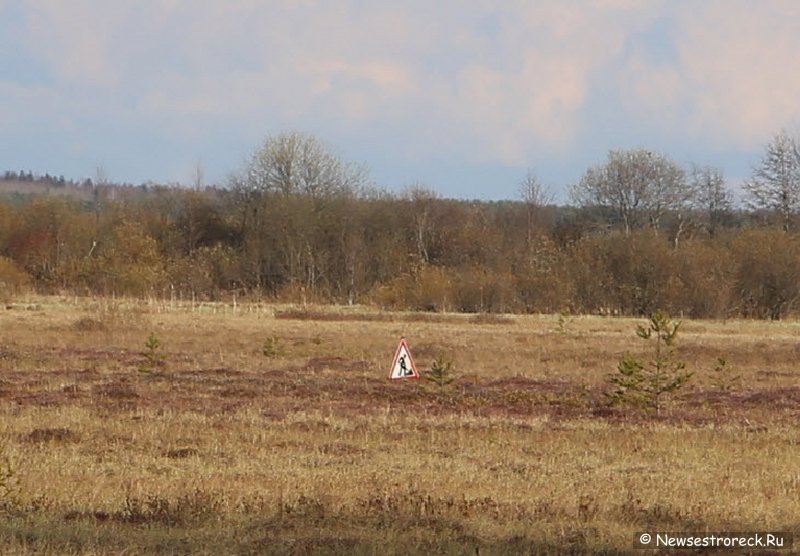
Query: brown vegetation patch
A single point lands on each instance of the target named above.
(778, 398)
(52, 435)
(224, 371)
(117, 390)
(75, 515)
(273, 414)
(521, 384)
(192, 507)
(418, 316)
(318, 544)
(335, 363)
(7, 354)
(70, 388)
(425, 351)
(310, 426)
(88, 324)
(305, 314)
(775, 374)
(200, 377)
(122, 356)
(633, 510)
(515, 382)
(181, 453)
(761, 398)
(434, 318)
(491, 318)
(41, 399)
(340, 449)
(239, 392)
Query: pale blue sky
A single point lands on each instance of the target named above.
(462, 96)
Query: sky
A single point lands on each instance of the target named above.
(464, 97)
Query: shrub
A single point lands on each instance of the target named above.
(476, 290)
(13, 279)
(724, 378)
(271, 348)
(768, 266)
(8, 484)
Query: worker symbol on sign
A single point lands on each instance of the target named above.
(403, 364)
(403, 367)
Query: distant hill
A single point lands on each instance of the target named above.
(40, 186)
(20, 186)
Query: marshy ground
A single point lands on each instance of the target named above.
(275, 429)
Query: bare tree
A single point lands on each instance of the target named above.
(638, 184)
(301, 164)
(775, 184)
(291, 186)
(198, 174)
(422, 200)
(536, 197)
(99, 186)
(711, 196)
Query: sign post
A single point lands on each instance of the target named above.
(403, 364)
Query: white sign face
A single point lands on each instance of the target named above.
(403, 364)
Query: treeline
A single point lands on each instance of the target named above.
(10, 175)
(298, 224)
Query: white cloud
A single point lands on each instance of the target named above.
(741, 70)
(731, 81)
(487, 81)
(364, 62)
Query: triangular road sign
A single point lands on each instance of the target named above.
(403, 364)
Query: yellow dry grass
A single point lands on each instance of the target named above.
(210, 446)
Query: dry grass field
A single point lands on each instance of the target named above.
(274, 430)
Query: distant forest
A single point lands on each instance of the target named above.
(298, 224)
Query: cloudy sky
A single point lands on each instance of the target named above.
(461, 95)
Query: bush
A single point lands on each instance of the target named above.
(13, 280)
(625, 272)
(271, 347)
(429, 288)
(129, 263)
(8, 484)
(479, 290)
(724, 378)
(703, 280)
(766, 277)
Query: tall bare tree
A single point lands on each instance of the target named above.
(711, 196)
(638, 185)
(421, 201)
(198, 174)
(775, 184)
(536, 197)
(301, 164)
(290, 185)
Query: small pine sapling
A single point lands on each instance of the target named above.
(563, 321)
(646, 383)
(151, 353)
(724, 378)
(441, 373)
(271, 348)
